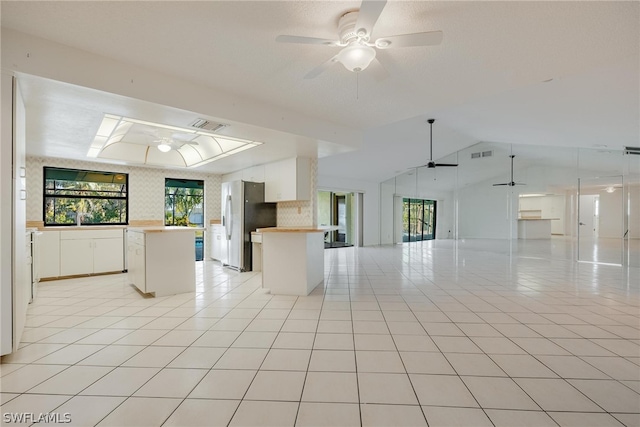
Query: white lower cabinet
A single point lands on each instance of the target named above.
(136, 258)
(75, 252)
(76, 257)
(162, 262)
(218, 242)
(49, 261)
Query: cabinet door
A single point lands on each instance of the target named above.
(108, 255)
(140, 275)
(76, 257)
(272, 182)
(49, 260)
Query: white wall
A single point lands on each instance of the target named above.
(370, 201)
(633, 196)
(611, 220)
(485, 211)
(6, 215)
(387, 190)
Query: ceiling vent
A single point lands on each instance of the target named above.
(632, 150)
(480, 154)
(208, 125)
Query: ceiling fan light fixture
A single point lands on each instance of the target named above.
(164, 147)
(356, 57)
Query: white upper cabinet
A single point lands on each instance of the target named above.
(288, 180)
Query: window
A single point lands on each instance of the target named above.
(94, 197)
(418, 220)
(184, 206)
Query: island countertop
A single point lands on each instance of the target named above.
(289, 230)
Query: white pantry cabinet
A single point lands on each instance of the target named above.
(91, 251)
(287, 180)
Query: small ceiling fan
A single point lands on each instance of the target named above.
(511, 183)
(165, 144)
(431, 164)
(358, 50)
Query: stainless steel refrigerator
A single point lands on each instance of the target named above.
(243, 211)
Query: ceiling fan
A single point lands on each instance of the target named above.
(431, 164)
(358, 50)
(511, 183)
(165, 144)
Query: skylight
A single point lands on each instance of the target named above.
(143, 142)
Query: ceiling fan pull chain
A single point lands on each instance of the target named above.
(357, 86)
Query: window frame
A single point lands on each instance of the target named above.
(46, 196)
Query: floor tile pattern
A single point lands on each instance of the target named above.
(416, 334)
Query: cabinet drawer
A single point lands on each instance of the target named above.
(135, 237)
(90, 234)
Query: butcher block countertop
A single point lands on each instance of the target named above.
(289, 230)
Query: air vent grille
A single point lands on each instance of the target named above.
(208, 125)
(481, 154)
(632, 150)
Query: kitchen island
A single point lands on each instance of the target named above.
(535, 228)
(161, 260)
(292, 260)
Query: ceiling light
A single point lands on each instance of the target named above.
(610, 189)
(356, 57)
(164, 147)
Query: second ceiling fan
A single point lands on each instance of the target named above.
(431, 164)
(358, 49)
(511, 183)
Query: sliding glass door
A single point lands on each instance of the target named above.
(418, 220)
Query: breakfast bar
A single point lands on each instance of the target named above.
(292, 260)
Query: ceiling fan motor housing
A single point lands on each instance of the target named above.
(347, 27)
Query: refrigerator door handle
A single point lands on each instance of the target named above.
(228, 225)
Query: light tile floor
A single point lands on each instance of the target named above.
(418, 334)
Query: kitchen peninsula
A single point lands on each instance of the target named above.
(292, 260)
(161, 260)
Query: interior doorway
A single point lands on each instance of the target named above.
(600, 220)
(340, 215)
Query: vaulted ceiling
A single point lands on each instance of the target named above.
(543, 73)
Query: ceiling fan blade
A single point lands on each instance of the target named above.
(378, 71)
(368, 15)
(306, 40)
(430, 38)
(506, 183)
(321, 68)
(446, 165)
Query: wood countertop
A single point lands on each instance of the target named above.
(289, 230)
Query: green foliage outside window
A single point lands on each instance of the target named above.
(184, 202)
(97, 197)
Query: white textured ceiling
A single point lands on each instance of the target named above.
(484, 82)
